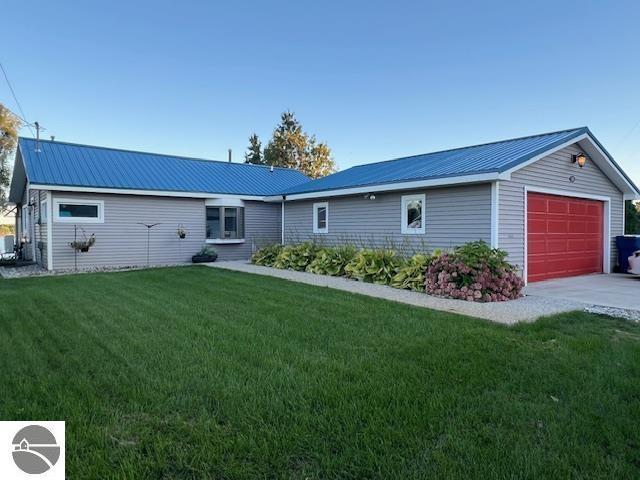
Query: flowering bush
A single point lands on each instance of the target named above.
(473, 272)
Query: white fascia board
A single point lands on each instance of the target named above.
(389, 187)
(150, 193)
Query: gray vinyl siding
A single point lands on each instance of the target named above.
(454, 215)
(552, 172)
(122, 241)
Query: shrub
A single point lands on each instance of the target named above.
(296, 257)
(374, 266)
(411, 275)
(332, 261)
(266, 256)
(473, 272)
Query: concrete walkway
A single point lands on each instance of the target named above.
(614, 290)
(526, 309)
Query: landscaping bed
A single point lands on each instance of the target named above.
(473, 271)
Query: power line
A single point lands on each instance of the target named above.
(15, 98)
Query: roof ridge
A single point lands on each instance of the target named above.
(472, 146)
(180, 157)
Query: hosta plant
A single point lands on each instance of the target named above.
(374, 266)
(332, 260)
(296, 257)
(266, 256)
(411, 275)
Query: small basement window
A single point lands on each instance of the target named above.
(321, 217)
(413, 214)
(78, 211)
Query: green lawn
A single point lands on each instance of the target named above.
(200, 373)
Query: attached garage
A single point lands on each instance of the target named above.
(564, 236)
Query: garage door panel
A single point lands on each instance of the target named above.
(564, 236)
(556, 206)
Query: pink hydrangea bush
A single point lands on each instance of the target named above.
(478, 278)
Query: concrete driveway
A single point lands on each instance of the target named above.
(612, 290)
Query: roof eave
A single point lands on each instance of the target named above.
(19, 178)
(395, 186)
(152, 193)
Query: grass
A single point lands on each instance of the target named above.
(199, 373)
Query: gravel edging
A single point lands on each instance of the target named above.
(10, 273)
(525, 309)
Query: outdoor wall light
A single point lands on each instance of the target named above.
(580, 159)
(370, 196)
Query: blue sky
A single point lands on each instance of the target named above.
(376, 80)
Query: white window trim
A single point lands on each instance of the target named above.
(405, 200)
(316, 206)
(44, 211)
(77, 201)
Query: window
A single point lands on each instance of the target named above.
(43, 212)
(78, 211)
(225, 223)
(321, 217)
(413, 214)
(24, 223)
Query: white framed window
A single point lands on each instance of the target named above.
(321, 217)
(24, 223)
(43, 212)
(66, 210)
(413, 214)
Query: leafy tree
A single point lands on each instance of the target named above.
(632, 218)
(9, 125)
(291, 147)
(254, 151)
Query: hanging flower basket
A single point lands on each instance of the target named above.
(182, 233)
(84, 245)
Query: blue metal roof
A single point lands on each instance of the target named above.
(486, 158)
(69, 164)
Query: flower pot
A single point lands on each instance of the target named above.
(203, 258)
(183, 235)
(84, 249)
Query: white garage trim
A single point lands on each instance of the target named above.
(606, 233)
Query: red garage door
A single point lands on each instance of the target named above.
(564, 236)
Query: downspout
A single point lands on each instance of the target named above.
(495, 214)
(49, 231)
(284, 197)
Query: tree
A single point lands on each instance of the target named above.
(291, 147)
(9, 125)
(632, 218)
(254, 151)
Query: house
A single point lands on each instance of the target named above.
(66, 192)
(554, 202)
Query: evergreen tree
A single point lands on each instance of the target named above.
(291, 147)
(254, 151)
(632, 218)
